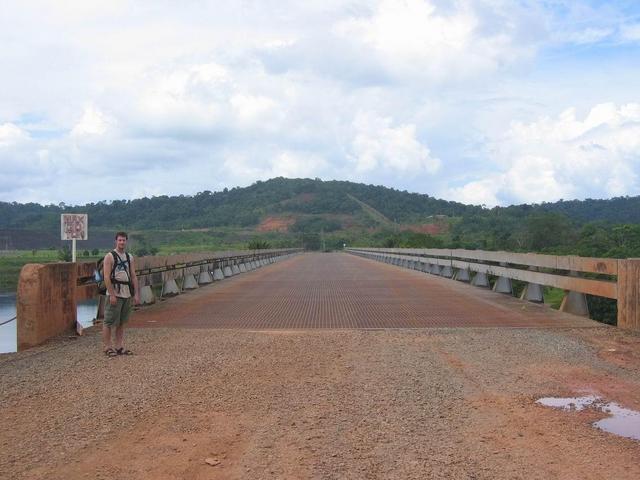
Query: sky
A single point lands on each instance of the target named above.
(491, 102)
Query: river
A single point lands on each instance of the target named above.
(8, 342)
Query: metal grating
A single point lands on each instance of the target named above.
(337, 290)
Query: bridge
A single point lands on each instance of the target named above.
(337, 291)
(362, 364)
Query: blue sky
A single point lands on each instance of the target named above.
(481, 101)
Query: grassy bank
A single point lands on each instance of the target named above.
(12, 262)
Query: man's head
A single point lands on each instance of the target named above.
(121, 240)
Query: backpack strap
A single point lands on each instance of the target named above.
(127, 263)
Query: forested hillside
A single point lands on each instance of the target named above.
(316, 213)
(246, 207)
(240, 207)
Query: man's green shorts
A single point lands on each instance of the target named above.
(118, 314)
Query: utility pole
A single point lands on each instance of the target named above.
(324, 247)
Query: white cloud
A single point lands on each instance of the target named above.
(413, 37)
(253, 108)
(11, 134)
(245, 169)
(477, 192)
(93, 123)
(630, 32)
(564, 157)
(588, 35)
(458, 98)
(379, 145)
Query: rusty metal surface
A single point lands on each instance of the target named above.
(337, 290)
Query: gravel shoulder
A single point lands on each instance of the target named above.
(424, 403)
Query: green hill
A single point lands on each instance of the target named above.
(290, 211)
(242, 207)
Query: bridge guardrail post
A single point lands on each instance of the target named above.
(463, 275)
(532, 292)
(629, 294)
(575, 302)
(503, 284)
(481, 279)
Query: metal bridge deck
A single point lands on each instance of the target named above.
(337, 290)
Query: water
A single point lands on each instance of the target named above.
(621, 421)
(8, 331)
(8, 342)
(571, 403)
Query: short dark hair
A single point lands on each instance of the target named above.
(122, 234)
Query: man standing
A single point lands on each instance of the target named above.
(122, 284)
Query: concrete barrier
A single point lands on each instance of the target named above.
(243, 268)
(45, 304)
(234, 269)
(146, 295)
(575, 302)
(481, 279)
(204, 278)
(189, 282)
(446, 271)
(217, 274)
(462, 275)
(227, 271)
(532, 292)
(170, 288)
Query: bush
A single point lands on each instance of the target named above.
(257, 244)
(64, 253)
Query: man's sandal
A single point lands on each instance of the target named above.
(110, 352)
(122, 351)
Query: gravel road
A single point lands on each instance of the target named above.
(206, 402)
(323, 404)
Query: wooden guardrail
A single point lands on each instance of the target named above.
(617, 279)
(47, 294)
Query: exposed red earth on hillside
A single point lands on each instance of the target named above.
(275, 224)
(429, 228)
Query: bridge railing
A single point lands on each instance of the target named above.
(48, 294)
(617, 279)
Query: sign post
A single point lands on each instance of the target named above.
(74, 226)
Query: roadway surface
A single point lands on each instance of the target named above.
(268, 375)
(336, 290)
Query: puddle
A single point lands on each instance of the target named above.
(621, 421)
(571, 403)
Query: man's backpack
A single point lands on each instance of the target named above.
(98, 273)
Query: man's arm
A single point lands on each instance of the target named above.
(108, 267)
(134, 281)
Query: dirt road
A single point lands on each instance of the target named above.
(325, 403)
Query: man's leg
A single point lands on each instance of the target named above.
(111, 317)
(119, 335)
(106, 336)
(125, 311)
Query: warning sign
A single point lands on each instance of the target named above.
(74, 226)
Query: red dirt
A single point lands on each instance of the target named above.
(275, 224)
(425, 403)
(429, 228)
